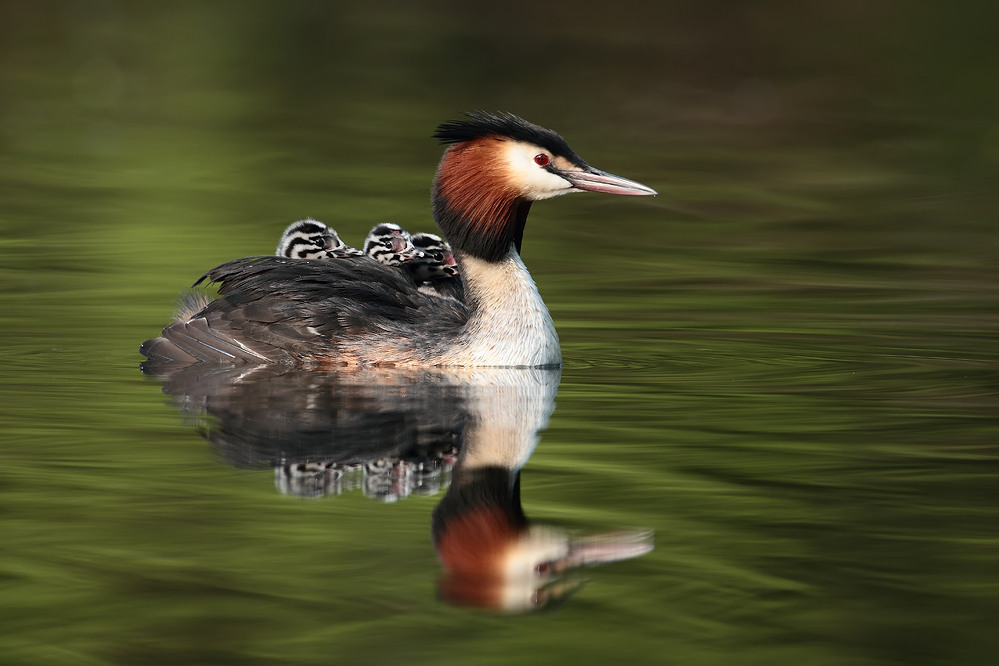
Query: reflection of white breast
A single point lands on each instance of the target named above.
(508, 409)
(509, 323)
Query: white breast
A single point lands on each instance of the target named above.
(510, 325)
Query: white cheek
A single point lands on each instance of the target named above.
(532, 180)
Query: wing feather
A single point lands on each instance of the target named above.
(286, 310)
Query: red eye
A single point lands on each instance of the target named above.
(541, 159)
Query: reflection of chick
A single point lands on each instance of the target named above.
(308, 480)
(384, 479)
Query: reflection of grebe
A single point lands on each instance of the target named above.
(356, 312)
(392, 432)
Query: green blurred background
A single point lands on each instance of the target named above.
(785, 364)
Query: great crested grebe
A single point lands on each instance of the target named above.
(357, 312)
(311, 239)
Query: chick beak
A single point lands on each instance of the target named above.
(406, 250)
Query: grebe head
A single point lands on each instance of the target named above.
(437, 262)
(495, 166)
(390, 244)
(311, 239)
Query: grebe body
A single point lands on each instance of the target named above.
(358, 312)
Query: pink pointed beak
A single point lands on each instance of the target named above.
(595, 180)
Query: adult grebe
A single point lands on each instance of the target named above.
(359, 312)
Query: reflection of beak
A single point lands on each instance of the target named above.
(595, 180)
(608, 547)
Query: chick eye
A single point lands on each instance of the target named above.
(541, 159)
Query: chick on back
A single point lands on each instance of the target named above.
(311, 239)
(436, 272)
(390, 244)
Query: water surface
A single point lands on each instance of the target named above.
(784, 366)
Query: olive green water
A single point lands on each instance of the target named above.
(785, 365)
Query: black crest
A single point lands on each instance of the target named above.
(483, 123)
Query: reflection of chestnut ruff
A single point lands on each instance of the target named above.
(494, 558)
(478, 518)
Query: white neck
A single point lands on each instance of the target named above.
(509, 323)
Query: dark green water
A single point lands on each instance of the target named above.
(785, 365)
